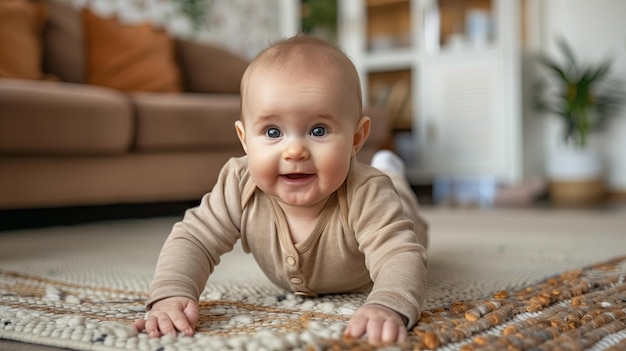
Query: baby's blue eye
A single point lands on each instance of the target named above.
(318, 131)
(273, 133)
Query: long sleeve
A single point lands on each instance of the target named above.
(195, 244)
(393, 245)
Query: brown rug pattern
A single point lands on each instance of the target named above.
(572, 311)
(577, 310)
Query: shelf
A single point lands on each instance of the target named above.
(390, 60)
(465, 21)
(388, 24)
(446, 72)
(391, 92)
(374, 3)
(466, 53)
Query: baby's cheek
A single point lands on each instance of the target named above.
(335, 166)
(260, 172)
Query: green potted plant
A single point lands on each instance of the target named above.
(319, 19)
(583, 100)
(194, 10)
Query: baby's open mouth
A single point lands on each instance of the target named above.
(297, 175)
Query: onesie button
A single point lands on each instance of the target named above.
(291, 261)
(295, 280)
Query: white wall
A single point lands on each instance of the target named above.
(596, 30)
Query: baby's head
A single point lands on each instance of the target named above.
(301, 119)
(300, 58)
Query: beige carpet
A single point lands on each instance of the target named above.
(104, 269)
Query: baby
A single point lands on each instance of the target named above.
(315, 220)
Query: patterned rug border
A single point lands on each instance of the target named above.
(578, 309)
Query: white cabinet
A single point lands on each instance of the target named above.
(462, 127)
(459, 62)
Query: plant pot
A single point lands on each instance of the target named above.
(577, 193)
(575, 176)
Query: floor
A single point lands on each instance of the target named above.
(580, 235)
(8, 345)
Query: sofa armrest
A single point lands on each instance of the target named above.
(209, 69)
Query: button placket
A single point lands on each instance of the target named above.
(294, 274)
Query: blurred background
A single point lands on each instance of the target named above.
(489, 102)
(458, 78)
(478, 112)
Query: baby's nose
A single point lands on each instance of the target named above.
(296, 151)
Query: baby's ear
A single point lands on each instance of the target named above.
(361, 134)
(241, 134)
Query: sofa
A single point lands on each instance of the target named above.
(96, 112)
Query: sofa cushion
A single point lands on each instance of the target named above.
(20, 34)
(129, 57)
(55, 118)
(209, 69)
(42, 182)
(186, 121)
(63, 48)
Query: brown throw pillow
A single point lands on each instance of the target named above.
(209, 69)
(64, 52)
(129, 57)
(20, 39)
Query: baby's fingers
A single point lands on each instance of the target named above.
(392, 332)
(162, 323)
(379, 323)
(139, 324)
(356, 328)
(156, 326)
(192, 313)
(182, 323)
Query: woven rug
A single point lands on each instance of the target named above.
(575, 310)
(82, 292)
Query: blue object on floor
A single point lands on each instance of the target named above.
(465, 191)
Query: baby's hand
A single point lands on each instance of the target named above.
(170, 315)
(381, 324)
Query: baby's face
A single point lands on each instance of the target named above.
(299, 135)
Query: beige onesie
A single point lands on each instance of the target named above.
(369, 237)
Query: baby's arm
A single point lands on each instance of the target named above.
(381, 324)
(169, 316)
